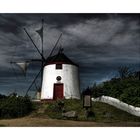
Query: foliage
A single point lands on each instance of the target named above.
(124, 71)
(131, 95)
(13, 106)
(2, 96)
(127, 90)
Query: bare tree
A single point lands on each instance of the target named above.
(124, 72)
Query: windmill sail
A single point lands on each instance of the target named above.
(40, 32)
(23, 66)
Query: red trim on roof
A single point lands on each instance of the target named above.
(58, 62)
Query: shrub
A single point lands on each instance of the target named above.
(127, 90)
(12, 106)
(131, 95)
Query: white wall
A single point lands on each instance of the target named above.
(118, 104)
(70, 79)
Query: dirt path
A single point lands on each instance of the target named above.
(42, 122)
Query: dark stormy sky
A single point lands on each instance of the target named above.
(99, 43)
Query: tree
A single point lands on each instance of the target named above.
(124, 72)
(137, 74)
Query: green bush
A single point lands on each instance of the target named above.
(127, 90)
(131, 95)
(13, 107)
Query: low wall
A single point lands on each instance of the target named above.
(118, 104)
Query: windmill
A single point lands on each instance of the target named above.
(59, 75)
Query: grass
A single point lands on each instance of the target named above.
(108, 113)
(103, 112)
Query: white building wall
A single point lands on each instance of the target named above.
(70, 79)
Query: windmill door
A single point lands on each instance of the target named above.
(58, 91)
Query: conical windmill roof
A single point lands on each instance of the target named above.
(59, 58)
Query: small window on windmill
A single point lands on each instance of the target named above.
(58, 66)
(58, 78)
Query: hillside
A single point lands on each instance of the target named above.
(47, 114)
(102, 112)
(126, 90)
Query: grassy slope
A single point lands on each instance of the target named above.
(103, 112)
(47, 114)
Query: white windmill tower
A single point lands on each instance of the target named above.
(59, 75)
(60, 78)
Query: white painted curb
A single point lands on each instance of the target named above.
(118, 104)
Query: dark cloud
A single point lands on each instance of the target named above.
(99, 43)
